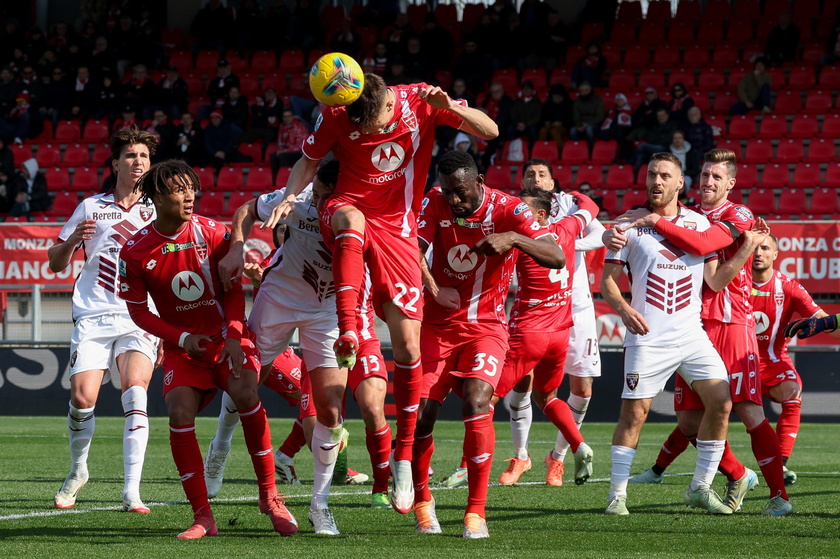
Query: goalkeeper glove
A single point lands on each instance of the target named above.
(807, 327)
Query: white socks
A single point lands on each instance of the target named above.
(521, 417)
(81, 423)
(326, 442)
(622, 460)
(135, 438)
(228, 420)
(578, 405)
(709, 454)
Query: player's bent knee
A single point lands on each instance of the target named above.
(348, 217)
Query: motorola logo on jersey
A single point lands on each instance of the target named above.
(762, 322)
(387, 157)
(187, 286)
(461, 259)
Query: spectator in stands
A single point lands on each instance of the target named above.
(833, 54)
(7, 158)
(30, 83)
(124, 44)
(396, 35)
(458, 90)
(189, 142)
(83, 95)
(305, 28)
(619, 121)
(235, 108)
(266, 114)
(8, 91)
(28, 191)
(437, 44)
(513, 45)
(657, 138)
(47, 62)
(380, 59)
(680, 103)
(36, 44)
(782, 42)
(127, 119)
(5, 187)
(211, 28)
(585, 188)
(417, 63)
(59, 37)
(139, 92)
(687, 156)
(396, 72)
(487, 35)
(107, 99)
(556, 116)
(471, 65)
(220, 140)
(250, 31)
(277, 20)
(11, 36)
(587, 115)
(497, 105)
(290, 138)
(16, 124)
(166, 133)
(590, 67)
(57, 96)
(754, 91)
(171, 93)
(149, 47)
(525, 114)
(346, 39)
(553, 40)
(72, 58)
(87, 37)
(102, 61)
(698, 133)
(218, 87)
(645, 114)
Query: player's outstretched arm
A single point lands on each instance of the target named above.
(807, 327)
(302, 173)
(592, 237)
(61, 253)
(475, 121)
(718, 236)
(719, 276)
(543, 250)
(232, 265)
(632, 319)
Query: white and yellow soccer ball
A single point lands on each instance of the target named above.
(336, 79)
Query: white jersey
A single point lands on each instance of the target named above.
(95, 290)
(563, 205)
(300, 274)
(665, 283)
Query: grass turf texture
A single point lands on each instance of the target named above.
(527, 520)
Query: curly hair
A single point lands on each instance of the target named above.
(160, 178)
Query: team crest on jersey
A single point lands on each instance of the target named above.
(201, 250)
(410, 119)
(632, 380)
(387, 157)
(167, 378)
(488, 227)
(779, 298)
(678, 394)
(146, 213)
(461, 258)
(744, 214)
(295, 373)
(73, 358)
(187, 286)
(304, 402)
(690, 225)
(762, 322)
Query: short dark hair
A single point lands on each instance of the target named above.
(541, 198)
(536, 162)
(364, 111)
(667, 156)
(328, 172)
(160, 177)
(454, 160)
(130, 136)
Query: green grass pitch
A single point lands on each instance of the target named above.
(527, 520)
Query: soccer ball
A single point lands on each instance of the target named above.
(336, 79)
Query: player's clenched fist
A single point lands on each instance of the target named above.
(807, 327)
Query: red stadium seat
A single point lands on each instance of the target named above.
(57, 178)
(473, 12)
(498, 176)
(824, 201)
(592, 30)
(206, 178)
(832, 176)
(575, 153)
(742, 127)
(788, 102)
(735, 196)
(68, 131)
(610, 51)
(64, 204)
(254, 151)
(696, 56)
(206, 62)
(249, 85)
(710, 31)
(535, 76)
(230, 178)
(775, 176)
(237, 64)
(629, 12)
(701, 100)
(793, 201)
(740, 34)
(291, 61)
(237, 199)
(172, 37)
(259, 179)
(747, 176)
(801, 77)
(610, 202)
(806, 176)
(733, 145)
(718, 9)
(632, 198)
(710, 79)
(211, 204)
(96, 131)
(48, 155)
(593, 174)
(652, 77)
(76, 155)
(762, 201)
(622, 80)
(774, 8)
(20, 153)
(546, 150)
(659, 11)
(831, 126)
(603, 153)
(680, 33)
(666, 56)
(637, 56)
(562, 176)
(283, 174)
(818, 102)
(725, 56)
(829, 77)
(688, 12)
(682, 75)
(619, 177)
(723, 102)
(821, 150)
(84, 179)
(651, 34)
(507, 77)
(181, 59)
(623, 33)
(744, 10)
(758, 151)
(773, 127)
(803, 126)
(736, 74)
(264, 62)
(790, 151)
(101, 155)
(195, 85)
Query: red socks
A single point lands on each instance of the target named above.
(348, 275)
(561, 416)
(294, 441)
(788, 425)
(674, 445)
(730, 466)
(424, 448)
(190, 466)
(479, 441)
(379, 447)
(408, 380)
(258, 441)
(768, 453)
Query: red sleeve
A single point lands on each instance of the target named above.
(584, 202)
(153, 324)
(802, 301)
(713, 239)
(318, 144)
(233, 300)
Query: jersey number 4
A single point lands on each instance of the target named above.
(561, 275)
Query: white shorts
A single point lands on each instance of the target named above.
(97, 341)
(648, 368)
(584, 357)
(274, 326)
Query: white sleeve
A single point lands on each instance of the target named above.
(70, 225)
(591, 239)
(267, 202)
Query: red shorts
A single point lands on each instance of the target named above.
(774, 374)
(392, 263)
(465, 351)
(542, 352)
(204, 373)
(738, 348)
(370, 363)
(307, 406)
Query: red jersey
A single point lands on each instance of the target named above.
(731, 305)
(544, 297)
(180, 272)
(383, 175)
(774, 304)
(482, 282)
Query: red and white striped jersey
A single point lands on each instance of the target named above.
(774, 304)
